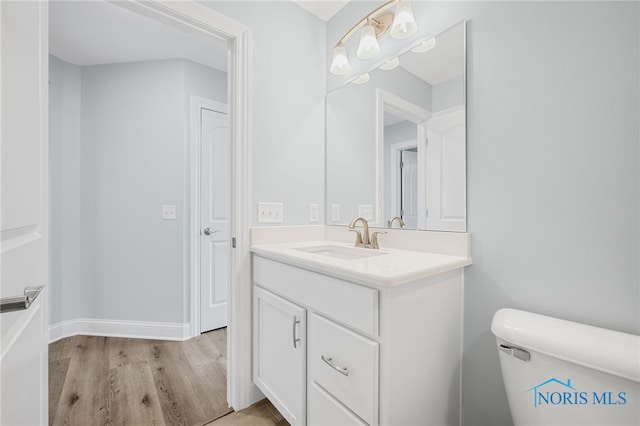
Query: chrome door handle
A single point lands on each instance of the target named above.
(18, 303)
(329, 362)
(209, 231)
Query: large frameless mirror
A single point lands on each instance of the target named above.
(396, 144)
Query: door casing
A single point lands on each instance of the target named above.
(193, 16)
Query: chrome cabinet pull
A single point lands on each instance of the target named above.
(295, 340)
(329, 362)
(19, 303)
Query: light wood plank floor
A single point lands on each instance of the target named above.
(261, 413)
(117, 381)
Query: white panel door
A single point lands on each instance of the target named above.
(23, 218)
(214, 218)
(446, 172)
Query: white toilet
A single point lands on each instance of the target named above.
(558, 372)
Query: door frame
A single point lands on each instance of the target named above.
(411, 112)
(195, 166)
(193, 16)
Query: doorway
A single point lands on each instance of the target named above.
(404, 189)
(201, 19)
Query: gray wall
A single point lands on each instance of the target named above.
(67, 292)
(288, 88)
(119, 149)
(553, 171)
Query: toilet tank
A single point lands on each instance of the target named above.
(559, 372)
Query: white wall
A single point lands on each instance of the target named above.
(288, 86)
(553, 170)
(448, 94)
(114, 258)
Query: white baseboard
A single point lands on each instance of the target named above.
(116, 328)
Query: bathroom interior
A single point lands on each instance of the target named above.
(516, 125)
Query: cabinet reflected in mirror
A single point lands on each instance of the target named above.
(396, 146)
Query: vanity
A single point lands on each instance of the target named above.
(346, 335)
(355, 336)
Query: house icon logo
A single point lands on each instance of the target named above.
(556, 392)
(545, 397)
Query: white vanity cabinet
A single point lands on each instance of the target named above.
(373, 354)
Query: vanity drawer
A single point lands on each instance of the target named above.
(351, 304)
(345, 364)
(325, 410)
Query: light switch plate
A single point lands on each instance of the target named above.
(366, 211)
(314, 213)
(169, 212)
(270, 213)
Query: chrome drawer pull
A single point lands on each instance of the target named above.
(18, 303)
(295, 321)
(341, 370)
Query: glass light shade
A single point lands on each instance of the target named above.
(425, 46)
(340, 62)
(368, 47)
(404, 24)
(390, 64)
(362, 79)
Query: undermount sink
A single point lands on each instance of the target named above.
(338, 252)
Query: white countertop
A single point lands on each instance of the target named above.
(392, 267)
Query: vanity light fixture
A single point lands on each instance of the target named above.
(374, 26)
(390, 64)
(404, 24)
(362, 79)
(368, 47)
(425, 46)
(340, 64)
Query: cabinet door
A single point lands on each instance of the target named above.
(279, 353)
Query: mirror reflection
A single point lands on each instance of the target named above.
(396, 145)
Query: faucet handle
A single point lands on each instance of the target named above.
(374, 239)
(358, 238)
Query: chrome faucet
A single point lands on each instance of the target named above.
(398, 218)
(364, 239)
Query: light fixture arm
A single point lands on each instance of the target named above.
(370, 18)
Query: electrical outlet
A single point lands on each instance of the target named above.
(366, 211)
(270, 213)
(314, 212)
(169, 212)
(335, 212)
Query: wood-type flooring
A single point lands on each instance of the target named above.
(117, 381)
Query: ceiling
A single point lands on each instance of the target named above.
(323, 9)
(100, 32)
(443, 62)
